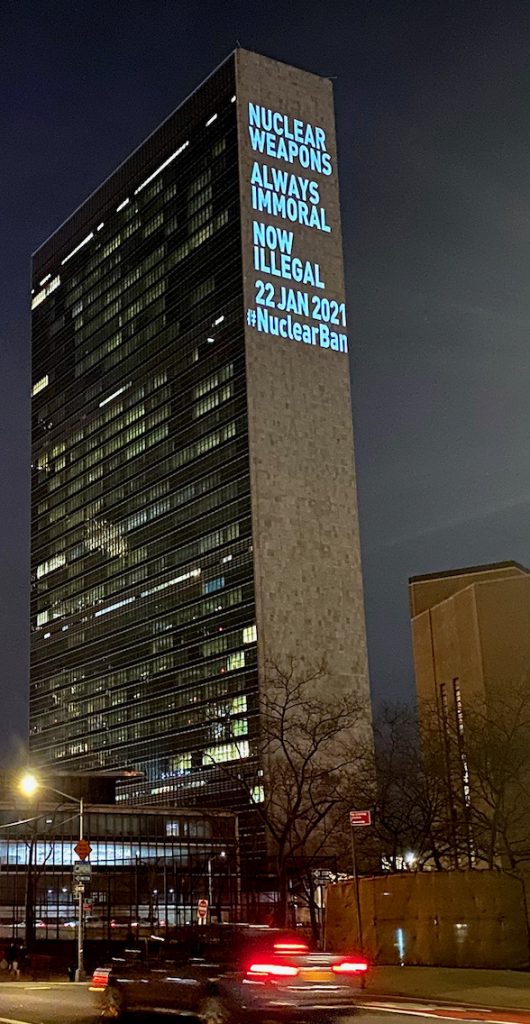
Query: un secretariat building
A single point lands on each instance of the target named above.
(193, 504)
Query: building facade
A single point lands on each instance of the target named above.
(471, 647)
(470, 633)
(193, 505)
(149, 869)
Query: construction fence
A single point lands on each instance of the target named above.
(433, 918)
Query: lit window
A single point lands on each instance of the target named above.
(181, 764)
(257, 795)
(40, 385)
(235, 661)
(78, 247)
(162, 167)
(40, 296)
(112, 607)
(53, 563)
(238, 705)
(226, 752)
(213, 585)
(250, 635)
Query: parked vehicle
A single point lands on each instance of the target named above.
(230, 974)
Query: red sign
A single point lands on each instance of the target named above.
(360, 818)
(202, 908)
(83, 849)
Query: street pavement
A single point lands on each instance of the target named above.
(63, 1003)
(27, 1002)
(506, 990)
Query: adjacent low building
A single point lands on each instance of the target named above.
(149, 866)
(470, 632)
(471, 644)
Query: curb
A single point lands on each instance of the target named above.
(446, 1010)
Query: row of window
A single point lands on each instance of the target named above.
(205, 543)
(74, 596)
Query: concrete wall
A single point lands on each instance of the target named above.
(427, 591)
(304, 505)
(445, 919)
(503, 615)
(478, 634)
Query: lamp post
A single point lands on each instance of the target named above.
(215, 856)
(28, 785)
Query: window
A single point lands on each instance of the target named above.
(250, 635)
(43, 294)
(40, 385)
(53, 563)
(238, 704)
(213, 585)
(235, 661)
(153, 224)
(226, 752)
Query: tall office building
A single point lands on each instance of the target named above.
(194, 507)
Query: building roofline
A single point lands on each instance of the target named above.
(132, 153)
(468, 570)
(115, 170)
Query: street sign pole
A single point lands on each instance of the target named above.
(357, 893)
(358, 819)
(80, 972)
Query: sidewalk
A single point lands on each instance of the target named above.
(491, 989)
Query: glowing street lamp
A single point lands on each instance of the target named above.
(28, 785)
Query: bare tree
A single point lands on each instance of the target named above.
(496, 750)
(456, 792)
(408, 793)
(312, 742)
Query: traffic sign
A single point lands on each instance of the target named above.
(83, 849)
(202, 909)
(359, 818)
(82, 871)
(323, 876)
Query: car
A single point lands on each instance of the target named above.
(229, 974)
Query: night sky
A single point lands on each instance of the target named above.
(433, 118)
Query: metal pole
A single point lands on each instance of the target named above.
(356, 883)
(80, 972)
(210, 889)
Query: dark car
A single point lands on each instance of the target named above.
(231, 974)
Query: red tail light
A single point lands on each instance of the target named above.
(261, 971)
(290, 947)
(350, 967)
(99, 979)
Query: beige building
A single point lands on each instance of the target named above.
(470, 631)
(471, 648)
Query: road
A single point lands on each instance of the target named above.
(63, 1003)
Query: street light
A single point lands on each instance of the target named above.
(28, 785)
(215, 856)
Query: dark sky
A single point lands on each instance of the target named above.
(433, 120)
